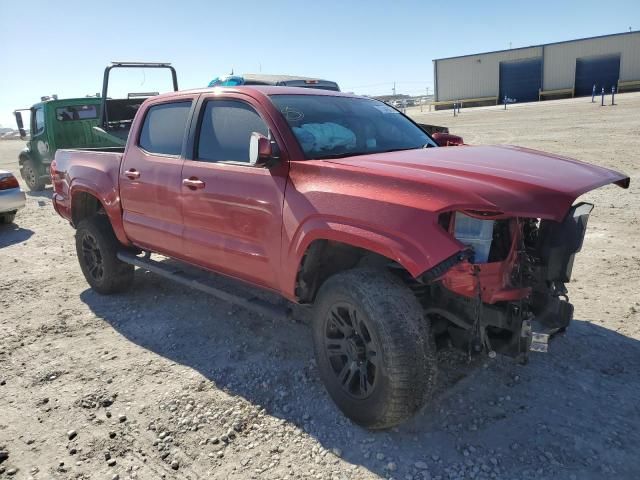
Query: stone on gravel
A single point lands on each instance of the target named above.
(71, 434)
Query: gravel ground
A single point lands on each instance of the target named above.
(165, 382)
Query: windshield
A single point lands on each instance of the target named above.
(334, 127)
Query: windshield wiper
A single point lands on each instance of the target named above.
(341, 155)
(397, 150)
(355, 154)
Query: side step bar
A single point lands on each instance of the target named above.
(171, 272)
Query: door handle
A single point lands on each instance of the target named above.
(132, 174)
(193, 183)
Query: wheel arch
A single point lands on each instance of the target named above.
(85, 202)
(325, 253)
(23, 156)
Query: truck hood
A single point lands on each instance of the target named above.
(513, 180)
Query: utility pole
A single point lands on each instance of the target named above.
(427, 91)
(394, 89)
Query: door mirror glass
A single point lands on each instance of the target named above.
(20, 123)
(260, 150)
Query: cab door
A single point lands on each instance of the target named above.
(41, 149)
(232, 211)
(150, 176)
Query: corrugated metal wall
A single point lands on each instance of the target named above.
(560, 58)
(476, 76)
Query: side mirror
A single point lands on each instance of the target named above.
(447, 139)
(23, 132)
(262, 152)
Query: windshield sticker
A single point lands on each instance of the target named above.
(291, 114)
(386, 109)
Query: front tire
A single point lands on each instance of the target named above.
(373, 346)
(97, 247)
(31, 176)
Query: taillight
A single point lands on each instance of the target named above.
(8, 182)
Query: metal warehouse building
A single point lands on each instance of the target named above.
(526, 74)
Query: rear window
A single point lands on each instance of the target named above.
(164, 127)
(77, 112)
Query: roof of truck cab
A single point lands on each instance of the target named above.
(263, 77)
(266, 90)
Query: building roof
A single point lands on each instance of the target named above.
(537, 46)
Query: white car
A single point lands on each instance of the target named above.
(12, 198)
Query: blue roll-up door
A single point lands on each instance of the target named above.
(602, 71)
(520, 80)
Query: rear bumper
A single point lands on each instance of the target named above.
(11, 200)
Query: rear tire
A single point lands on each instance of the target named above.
(374, 348)
(7, 217)
(97, 247)
(31, 175)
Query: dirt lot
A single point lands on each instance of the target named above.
(164, 382)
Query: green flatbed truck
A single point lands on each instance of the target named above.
(56, 124)
(87, 122)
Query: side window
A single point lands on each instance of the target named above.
(163, 128)
(225, 131)
(76, 112)
(39, 121)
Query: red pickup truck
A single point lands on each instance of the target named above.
(342, 203)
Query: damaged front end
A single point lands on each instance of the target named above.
(505, 292)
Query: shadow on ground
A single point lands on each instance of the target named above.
(12, 233)
(46, 193)
(569, 412)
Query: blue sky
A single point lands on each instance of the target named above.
(63, 46)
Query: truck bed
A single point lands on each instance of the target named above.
(85, 169)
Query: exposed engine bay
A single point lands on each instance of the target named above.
(505, 293)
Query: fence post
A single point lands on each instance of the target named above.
(593, 93)
(613, 94)
(602, 102)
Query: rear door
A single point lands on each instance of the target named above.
(150, 176)
(232, 210)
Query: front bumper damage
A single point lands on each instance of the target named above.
(516, 301)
